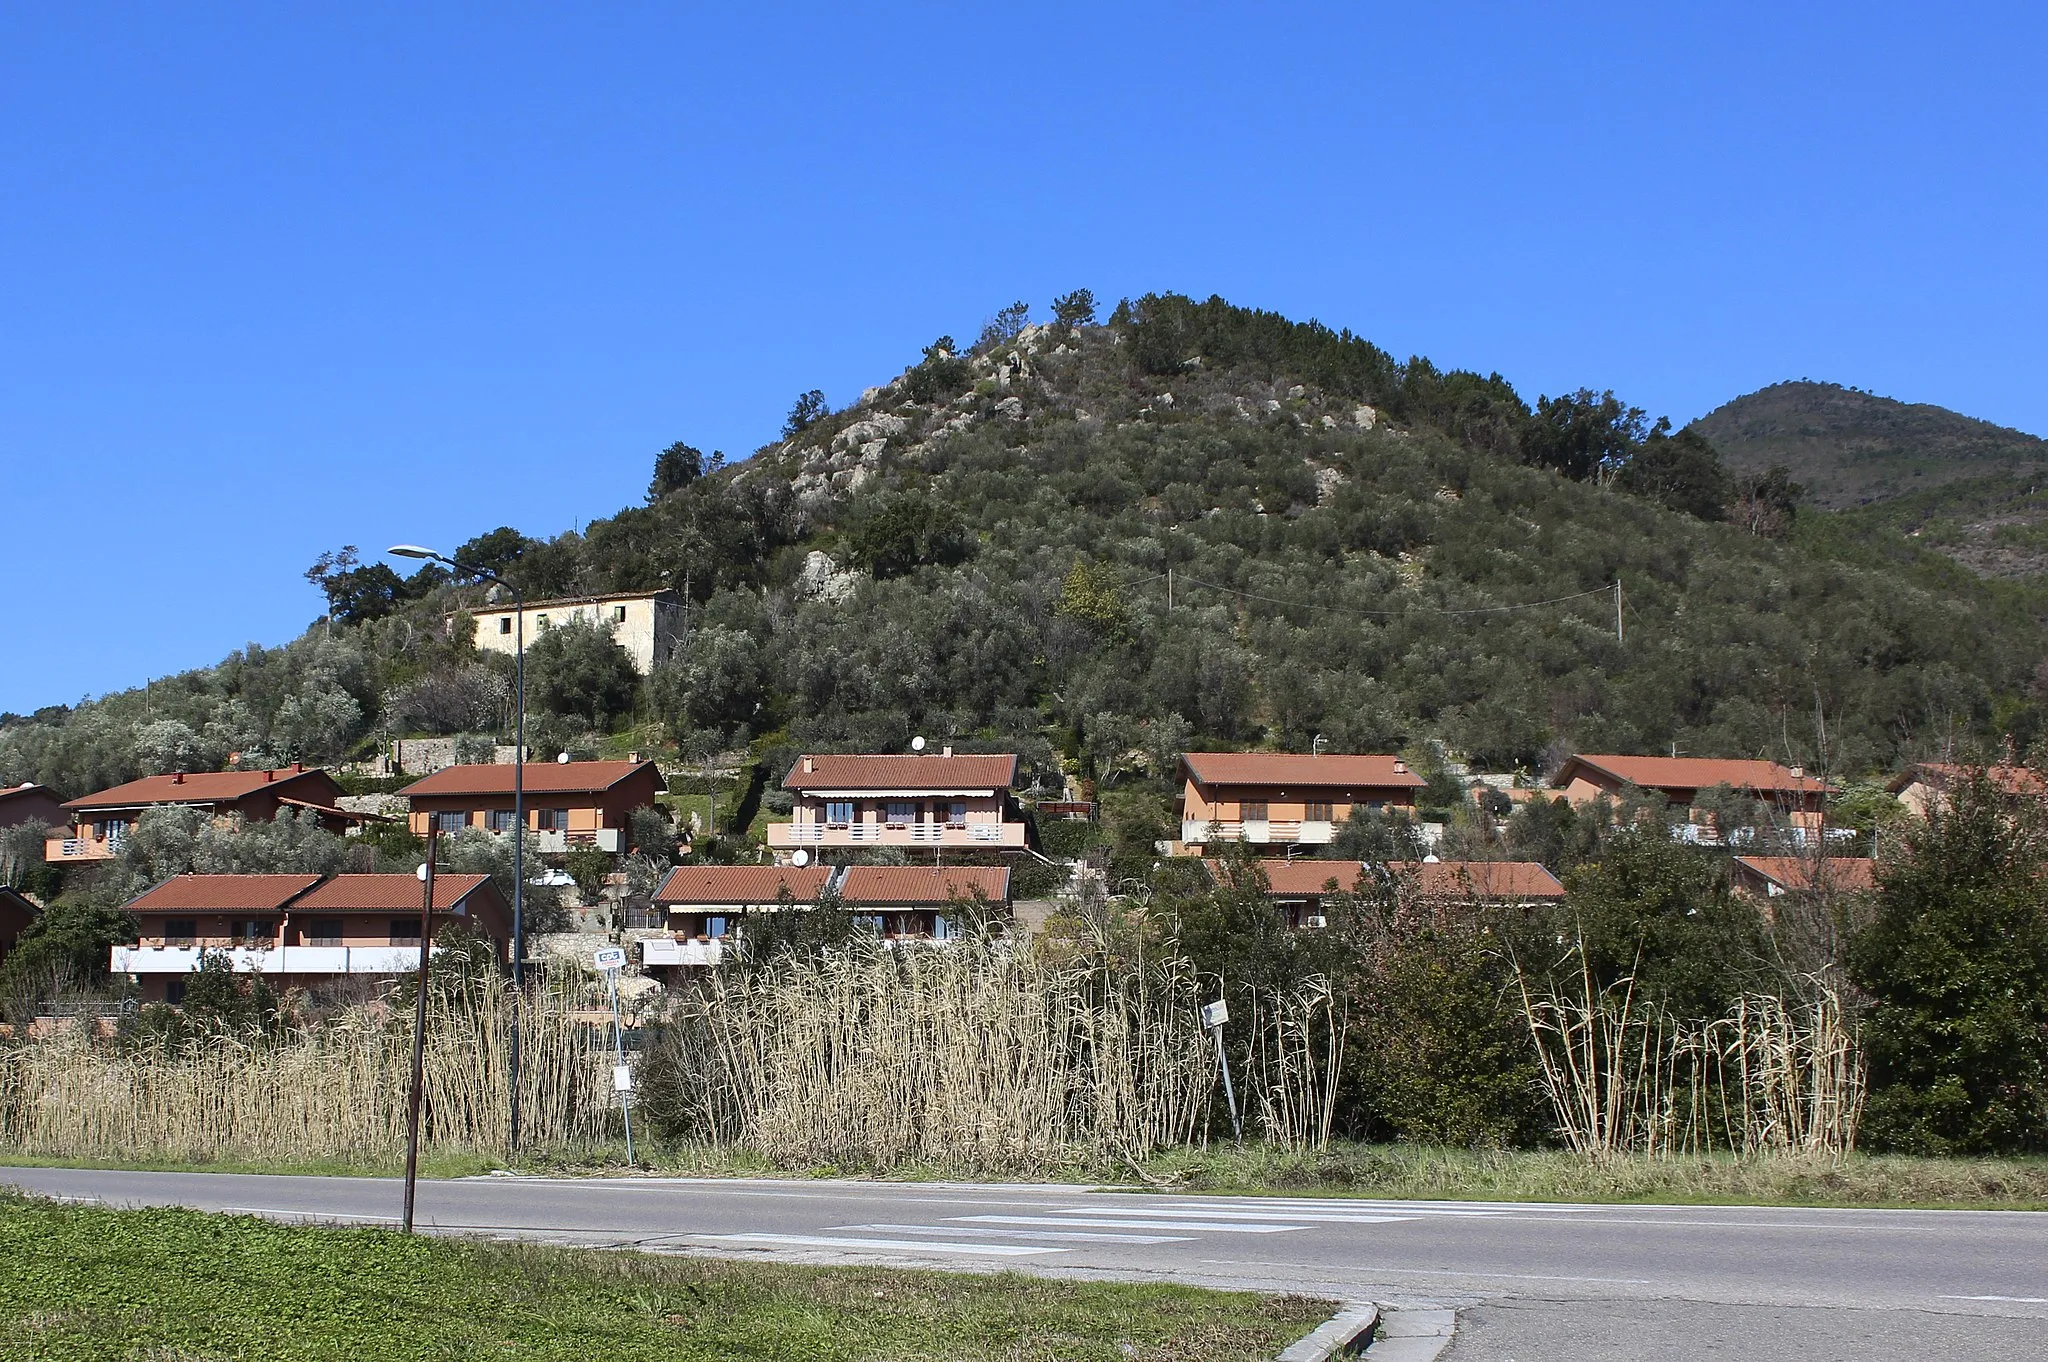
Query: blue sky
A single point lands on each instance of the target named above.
(278, 278)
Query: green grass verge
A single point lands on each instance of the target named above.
(1424, 1173)
(1417, 1172)
(80, 1283)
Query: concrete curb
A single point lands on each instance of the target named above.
(1344, 1334)
(1412, 1335)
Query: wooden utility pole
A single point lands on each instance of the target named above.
(1617, 611)
(1169, 588)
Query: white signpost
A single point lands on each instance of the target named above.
(1213, 1016)
(609, 961)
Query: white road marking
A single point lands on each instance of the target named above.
(2010, 1300)
(1218, 1214)
(1078, 1236)
(1358, 1270)
(876, 1245)
(1216, 1226)
(1297, 1209)
(311, 1215)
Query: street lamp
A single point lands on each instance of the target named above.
(518, 794)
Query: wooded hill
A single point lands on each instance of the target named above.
(1847, 447)
(1189, 524)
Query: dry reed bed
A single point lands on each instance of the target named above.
(979, 1057)
(1774, 1076)
(336, 1090)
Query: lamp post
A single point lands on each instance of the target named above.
(518, 795)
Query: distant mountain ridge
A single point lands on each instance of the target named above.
(1850, 448)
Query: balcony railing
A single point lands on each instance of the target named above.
(786, 835)
(272, 960)
(81, 848)
(1299, 831)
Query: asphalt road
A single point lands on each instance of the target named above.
(1532, 1282)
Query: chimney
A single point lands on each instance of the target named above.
(269, 776)
(177, 777)
(1400, 767)
(809, 766)
(632, 756)
(1798, 771)
(298, 766)
(946, 751)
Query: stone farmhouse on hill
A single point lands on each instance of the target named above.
(648, 625)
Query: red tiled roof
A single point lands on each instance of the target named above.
(389, 893)
(24, 790)
(1849, 874)
(1300, 771)
(756, 884)
(1481, 879)
(223, 893)
(871, 884)
(2012, 780)
(1695, 773)
(915, 771)
(542, 777)
(1446, 879)
(198, 787)
(1299, 877)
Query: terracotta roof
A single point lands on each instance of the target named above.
(1450, 879)
(1849, 874)
(1299, 877)
(198, 787)
(1481, 879)
(1695, 773)
(915, 771)
(2012, 780)
(542, 777)
(223, 893)
(756, 884)
(1300, 771)
(24, 790)
(872, 884)
(389, 893)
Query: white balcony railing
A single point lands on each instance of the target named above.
(786, 835)
(269, 960)
(656, 950)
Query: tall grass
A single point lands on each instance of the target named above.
(332, 1091)
(1773, 1076)
(979, 1058)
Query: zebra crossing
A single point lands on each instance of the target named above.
(1067, 1229)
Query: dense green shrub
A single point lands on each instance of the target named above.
(1955, 960)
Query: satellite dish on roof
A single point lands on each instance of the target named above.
(917, 743)
(421, 873)
(799, 858)
(562, 760)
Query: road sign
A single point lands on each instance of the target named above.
(1215, 1014)
(622, 1077)
(611, 957)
